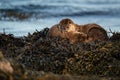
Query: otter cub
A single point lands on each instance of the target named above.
(76, 37)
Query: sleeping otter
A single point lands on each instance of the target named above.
(66, 28)
(93, 31)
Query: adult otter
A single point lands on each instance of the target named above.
(62, 28)
(94, 32)
(66, 28)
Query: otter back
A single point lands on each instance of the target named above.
(94, 32)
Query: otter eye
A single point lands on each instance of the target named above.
(69, 22)
(67, 27)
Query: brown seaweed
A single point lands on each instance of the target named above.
(32, 55)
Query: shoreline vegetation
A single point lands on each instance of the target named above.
(35, 57)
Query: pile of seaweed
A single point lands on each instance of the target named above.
(32, 55)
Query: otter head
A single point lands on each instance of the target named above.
(66, 25)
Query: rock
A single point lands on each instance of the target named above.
(5, 65)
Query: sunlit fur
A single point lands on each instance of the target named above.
(66, 25)
(76, 37)
(61, 29)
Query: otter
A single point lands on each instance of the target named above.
(66, 28)
(75, 37)
(93, 31)
(67, 25)
(62, 28)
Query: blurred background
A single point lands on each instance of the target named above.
(19, 17)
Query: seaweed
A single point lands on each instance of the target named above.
(35, 57)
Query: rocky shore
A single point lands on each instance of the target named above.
(35, 57)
